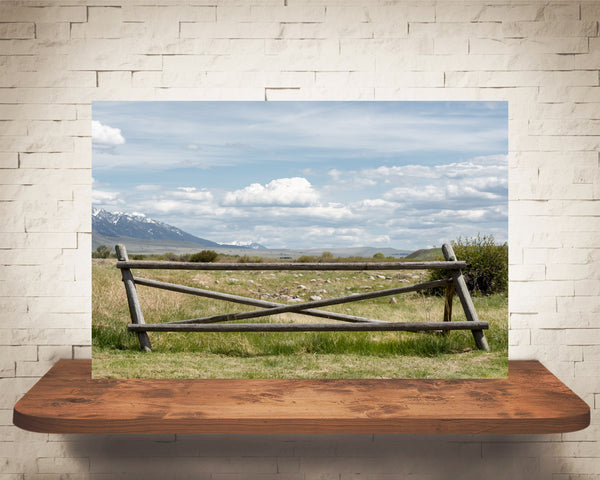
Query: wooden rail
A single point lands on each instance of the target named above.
(455, 283)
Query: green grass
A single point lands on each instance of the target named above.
(116, 352)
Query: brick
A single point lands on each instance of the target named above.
(228, 30)
(47, 14)
(57, 32)
(589, 11)
(416, 12)
(37, 112)
(519, 337)
(520, 273)
(589, 353)
(71, 128)
(586, 287)
(328, 30)
(50, 305)
(33, 369)
(82, 352)
(17, 31)
(544, 288)
(539, 45)
(524, 305)
(54, 336)
(115, 79)
(160, 14)
(393, 31)
(574, 305)
(566, 127)
(54, 353)
(43, 320)
(548, 336)
(452, 12)
(51, 160)
(14, 128)
(212, 94)
(114, 30)
(9, 160)
(63, 464)
(569, 272)
(347, 14)
(582, 336)
(101, 61)
(523, 78)
(450, 46)
(563, 28)
(287, 14)
(11, 390)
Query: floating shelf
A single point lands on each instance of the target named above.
(531, 400)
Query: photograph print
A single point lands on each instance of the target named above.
(299, 239)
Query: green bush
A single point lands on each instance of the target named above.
(102, 251)
(249, 259)
(487, 265)
(204, 256)
(307, 259)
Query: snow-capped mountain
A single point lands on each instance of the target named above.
(139, 226)
(241, 244)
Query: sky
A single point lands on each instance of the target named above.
(405, 175)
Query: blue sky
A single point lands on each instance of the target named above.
(405, 175)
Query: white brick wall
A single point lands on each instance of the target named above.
(58, 56)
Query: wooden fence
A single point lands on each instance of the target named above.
(454, 284)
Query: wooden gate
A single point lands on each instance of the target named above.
(454, 284)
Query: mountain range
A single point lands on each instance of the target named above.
(109, 227)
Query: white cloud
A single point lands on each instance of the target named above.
(147, 188)
(101, 196)
(103, 135)
(296, 191)
(191, 193)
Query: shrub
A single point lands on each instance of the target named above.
(170, 257)
(102, 251)
(248, 259)
(307, 259)
(326, 257)
(204, 256)
(487, 264)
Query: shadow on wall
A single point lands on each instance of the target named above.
(305, 457)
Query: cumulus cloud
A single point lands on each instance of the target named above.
(102, 196)
(148, 188)
(104, 135)
(295, 191)
(191, 193)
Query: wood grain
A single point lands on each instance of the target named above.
(531, 400)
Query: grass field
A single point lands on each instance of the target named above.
(116, 353)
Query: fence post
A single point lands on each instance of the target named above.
(448, 304)
(465, 298)
(135, 310)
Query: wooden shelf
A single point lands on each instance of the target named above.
(531, 400)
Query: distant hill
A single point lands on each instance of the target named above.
(145, 235)
(353, 252)
(426, 254)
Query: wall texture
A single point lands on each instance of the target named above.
(58, 56)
